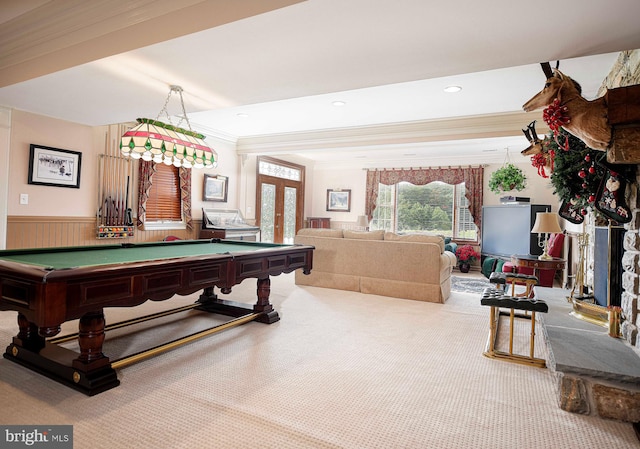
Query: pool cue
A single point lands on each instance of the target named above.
(116, 162)
(107, 184)
(128, 219)
(112, 202)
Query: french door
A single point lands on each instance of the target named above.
(279, 199)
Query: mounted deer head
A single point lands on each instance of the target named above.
(536, 145)
(587, 120)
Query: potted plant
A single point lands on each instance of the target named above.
(508, 177)
(466, 256)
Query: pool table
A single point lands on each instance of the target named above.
(49, 286)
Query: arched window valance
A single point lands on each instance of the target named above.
(473, 178)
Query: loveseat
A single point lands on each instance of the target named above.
(377, 262)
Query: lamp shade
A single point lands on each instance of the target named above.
(362, 221)
(157, 141)
(546, 223)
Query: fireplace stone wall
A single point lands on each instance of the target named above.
(626, 72)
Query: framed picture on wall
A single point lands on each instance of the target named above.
(54, 167)
(215, 188)
(339, 200)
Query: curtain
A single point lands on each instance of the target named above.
(145, 173)
(146, 169)
(472, 177)
(185, 195)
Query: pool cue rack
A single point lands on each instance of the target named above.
(115, 174)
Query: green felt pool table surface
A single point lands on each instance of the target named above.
(86, 256)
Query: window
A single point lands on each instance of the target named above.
(164, 195)
(165, 201)
(436, 207)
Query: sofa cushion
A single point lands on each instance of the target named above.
(451, 246)
(418, 238)
(320, 232)
(364, 235)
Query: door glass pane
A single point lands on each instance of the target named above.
(279, 171)
(289, 214)
(267, 212)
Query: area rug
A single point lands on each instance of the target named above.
(468, 284)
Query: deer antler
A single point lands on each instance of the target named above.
(527, 134)
(535, 146)
(546, 68)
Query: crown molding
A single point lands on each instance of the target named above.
(372, 136)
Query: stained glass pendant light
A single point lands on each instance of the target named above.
(153, 140)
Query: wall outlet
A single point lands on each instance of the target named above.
(24, 198)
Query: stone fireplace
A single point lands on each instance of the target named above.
(610, 388)
(626, 72)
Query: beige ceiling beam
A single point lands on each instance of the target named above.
(65, 33)
(460, 128)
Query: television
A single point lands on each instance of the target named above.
(506, 230)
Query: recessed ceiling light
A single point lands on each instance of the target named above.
(338, 103)
(242, 115)
(452, 89)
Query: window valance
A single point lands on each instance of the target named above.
(473, 177)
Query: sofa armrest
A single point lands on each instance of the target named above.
(453, 260)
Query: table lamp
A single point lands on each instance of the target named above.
(546, 223)
(363, 222)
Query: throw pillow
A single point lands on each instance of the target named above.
(418, 238)
(320, 232)
(364, 235)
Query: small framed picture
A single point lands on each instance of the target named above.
(54, 167)
(339, 200)
(215, 188)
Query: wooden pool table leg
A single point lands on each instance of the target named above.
(211, 303)
(88, 371)
(28, 335)
(269, 315)
(90, 339)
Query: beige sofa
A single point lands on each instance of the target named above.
(402, 266)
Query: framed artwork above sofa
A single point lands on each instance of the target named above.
(339, 200)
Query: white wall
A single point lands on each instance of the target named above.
(29, 129)
(538, 189)
(228, 165)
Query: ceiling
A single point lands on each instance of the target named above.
(266, 76)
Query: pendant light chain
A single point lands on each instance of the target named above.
(174, 88)
(153, 140)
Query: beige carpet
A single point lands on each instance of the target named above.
(340, 370)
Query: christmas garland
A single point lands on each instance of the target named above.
(577, 172)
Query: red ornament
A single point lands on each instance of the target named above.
(587, 158)
(583, 212)
(582, 173)
(584, 185)
(592, 170)
(592, 198)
